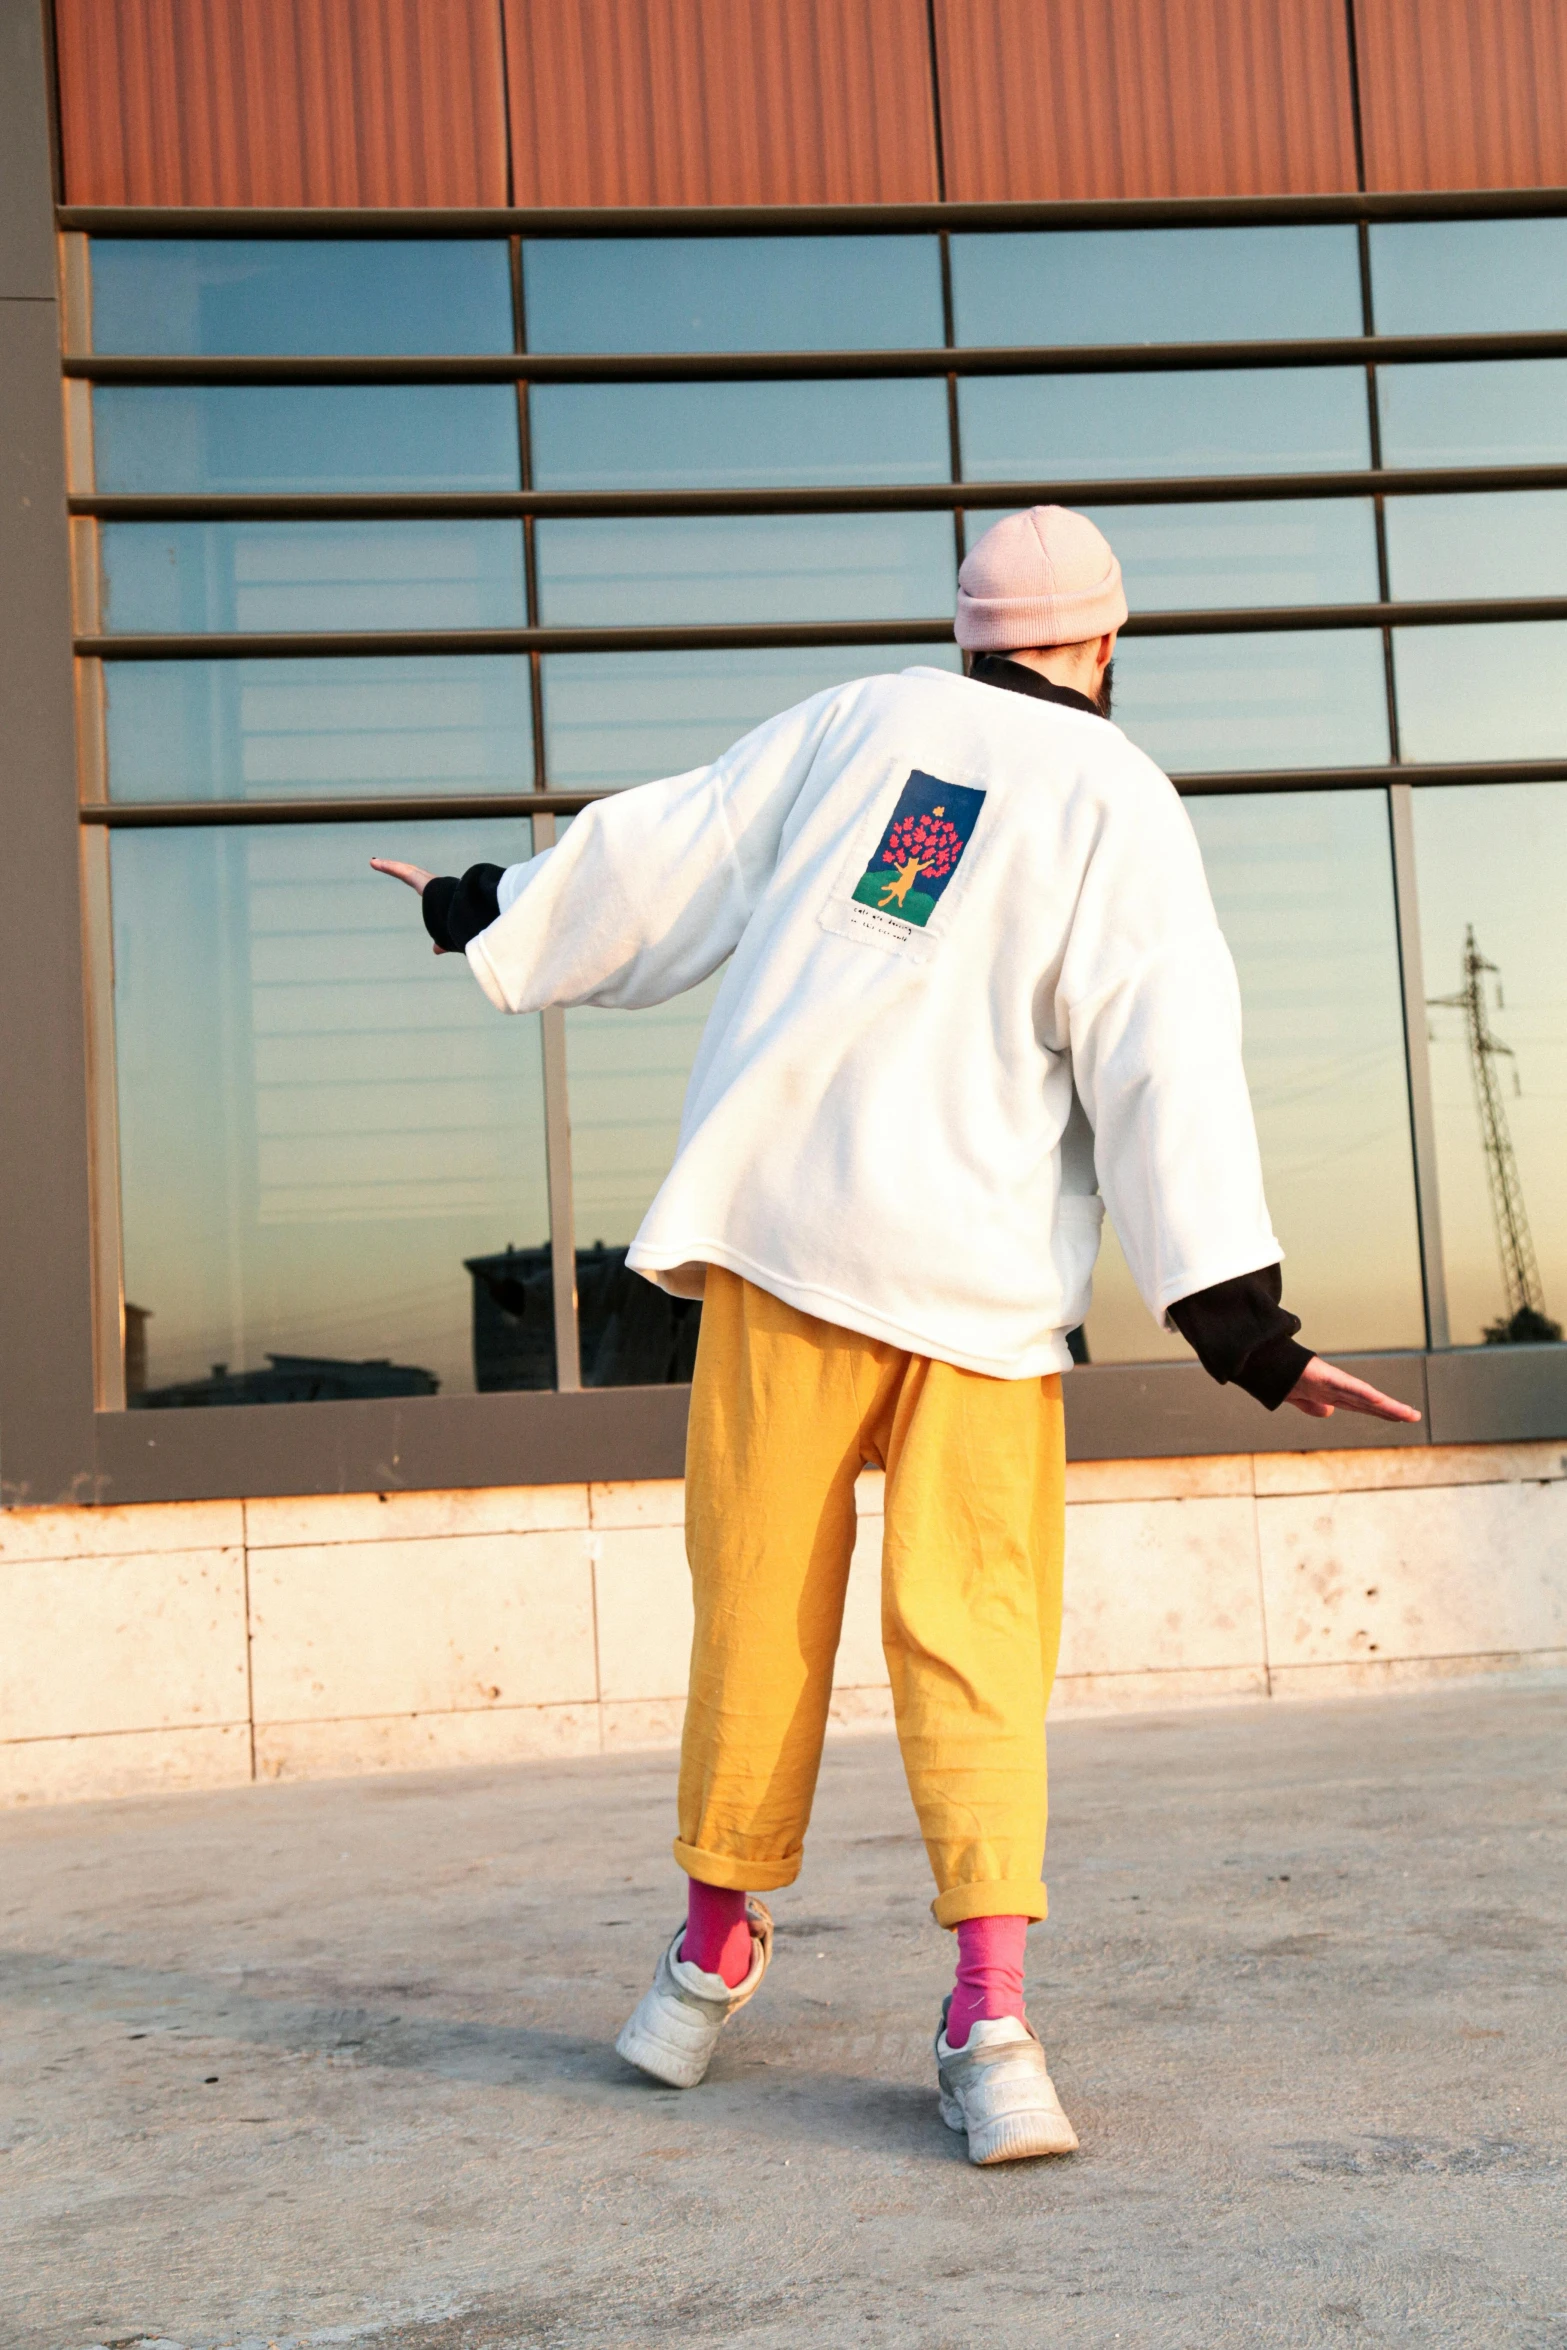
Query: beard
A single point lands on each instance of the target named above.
(1106, 694)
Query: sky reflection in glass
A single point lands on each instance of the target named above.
(245, 576)
(318, 1119)
(1180, 285)
(1496, 857)
(623, 718)
(1451, 277)
(731, 568)
(738, 436)
(1308, 698)
(311, 728)
(310, 437)
(371, 296)
(732, 293)
(1122, 427)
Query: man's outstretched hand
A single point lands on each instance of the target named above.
(415, 877)
(1321, 1390)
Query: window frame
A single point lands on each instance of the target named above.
(67, 1435)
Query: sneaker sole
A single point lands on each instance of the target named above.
(1015, 2137)
(674, 2067)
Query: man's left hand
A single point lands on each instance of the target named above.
(1322, 1390)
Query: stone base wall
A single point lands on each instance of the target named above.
(198, 1644)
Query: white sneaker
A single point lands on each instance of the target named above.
(675, 2029)
(997, 2089)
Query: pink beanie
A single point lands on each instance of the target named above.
(1043, 577)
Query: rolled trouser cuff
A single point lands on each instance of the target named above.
(1002, 1897)
(737, 1876)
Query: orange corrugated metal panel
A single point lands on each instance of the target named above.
(1463, 93)
(1083, 98)
(720, 101)
(282, 101)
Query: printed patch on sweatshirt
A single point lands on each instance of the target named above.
(920, 849)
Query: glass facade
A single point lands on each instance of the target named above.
(332, 1155)
(319, 1124)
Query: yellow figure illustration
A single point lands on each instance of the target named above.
(898, 888)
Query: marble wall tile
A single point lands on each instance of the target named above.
(422, 1742)
(1097, 1693)
(1392, 1468)
(151, 1642)
(1161, 1585)
(651, 1501)
(453, 1624)
(294, 1522)
(129, 1531)
(1465, 1570)
(1203, 1477)
(643, 1589)
(124, 1762)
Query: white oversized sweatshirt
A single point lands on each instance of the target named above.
(975, 982)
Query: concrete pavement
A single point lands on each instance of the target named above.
(299, 2064)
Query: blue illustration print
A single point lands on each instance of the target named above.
(918, 854)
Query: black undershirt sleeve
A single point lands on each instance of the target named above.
(1241, 1334)
(455, 911)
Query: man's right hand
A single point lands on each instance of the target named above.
(414, 876)
(1322, 1390)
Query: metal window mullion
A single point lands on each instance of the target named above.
(1417, 1055)
(530, 561)
(552, 1023)
(1406, 900)
(954, 425)
(859, 363)
(1198, 489)
(557, 1161)
(740, 220)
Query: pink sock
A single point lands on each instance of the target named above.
(717, 1937)
(990, 1974)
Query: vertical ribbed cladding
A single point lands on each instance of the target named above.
(282, 102)
(1144, 98)
(1463, 93)
(720, 102)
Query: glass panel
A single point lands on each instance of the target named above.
(276, 730)
(732, 568)
(628, 1073)
(1204, 704)
(619, 718)
(1491, 412)
(1449, 277)
(320, 1122)
(1303, 886)
(1502, 543)
(1491, 863)
(312, 437)
(1122, 427)
(733, 436)
(1482, 692)
(286, 295)
(732, 293)
(201, 576)
(1225, 557)
(1178, 285)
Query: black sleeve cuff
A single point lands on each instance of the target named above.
(456, 911)
(436, 903)
(1242, 1334)
(1272, 1370)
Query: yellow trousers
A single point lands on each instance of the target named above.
(785, 1412)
